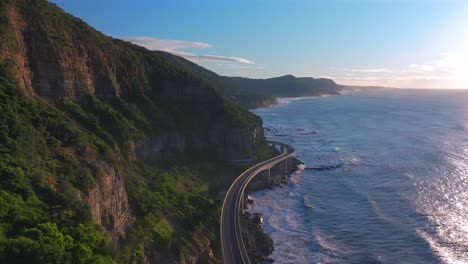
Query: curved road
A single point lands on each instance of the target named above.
(232, 245)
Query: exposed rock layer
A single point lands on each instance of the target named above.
(109, 202)
(57, 57)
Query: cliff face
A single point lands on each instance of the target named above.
(135, 105)
(48, 69)
(58, 56)
(229, 143)
(44, 67)
(109, 202)
(49, 72)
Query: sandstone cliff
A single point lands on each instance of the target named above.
(140, 104)
(109, 202)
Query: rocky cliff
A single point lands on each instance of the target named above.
(135, 108)
(58, 56)
(108, 201)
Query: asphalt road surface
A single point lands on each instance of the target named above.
(232, 245)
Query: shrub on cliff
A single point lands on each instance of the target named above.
(40, 221)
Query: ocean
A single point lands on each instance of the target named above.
(386, 178)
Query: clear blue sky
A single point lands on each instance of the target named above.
(404, 43)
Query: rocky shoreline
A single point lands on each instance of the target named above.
(258, 243)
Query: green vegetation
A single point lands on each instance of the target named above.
(54, 147)
(43, 171)
(162, 200)
(42, 217)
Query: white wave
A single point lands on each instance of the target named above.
(287, 100)
(301, 167)
(325, 243)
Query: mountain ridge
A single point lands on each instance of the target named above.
(286, 86)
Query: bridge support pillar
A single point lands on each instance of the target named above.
(242, 204)
(269, 175)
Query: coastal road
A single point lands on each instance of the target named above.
(232, 245)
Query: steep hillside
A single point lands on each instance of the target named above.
(285, 86)
(109, 152)
(236, 93)
(58, 57)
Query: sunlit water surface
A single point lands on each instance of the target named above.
(399, 192)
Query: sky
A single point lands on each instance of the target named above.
(399, 43)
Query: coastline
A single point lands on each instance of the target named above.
(287, 100)
(258, 242)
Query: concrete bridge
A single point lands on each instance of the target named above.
(281, 169)
(232, 245)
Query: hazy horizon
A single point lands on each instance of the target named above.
(153, 152)
(401, 44)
